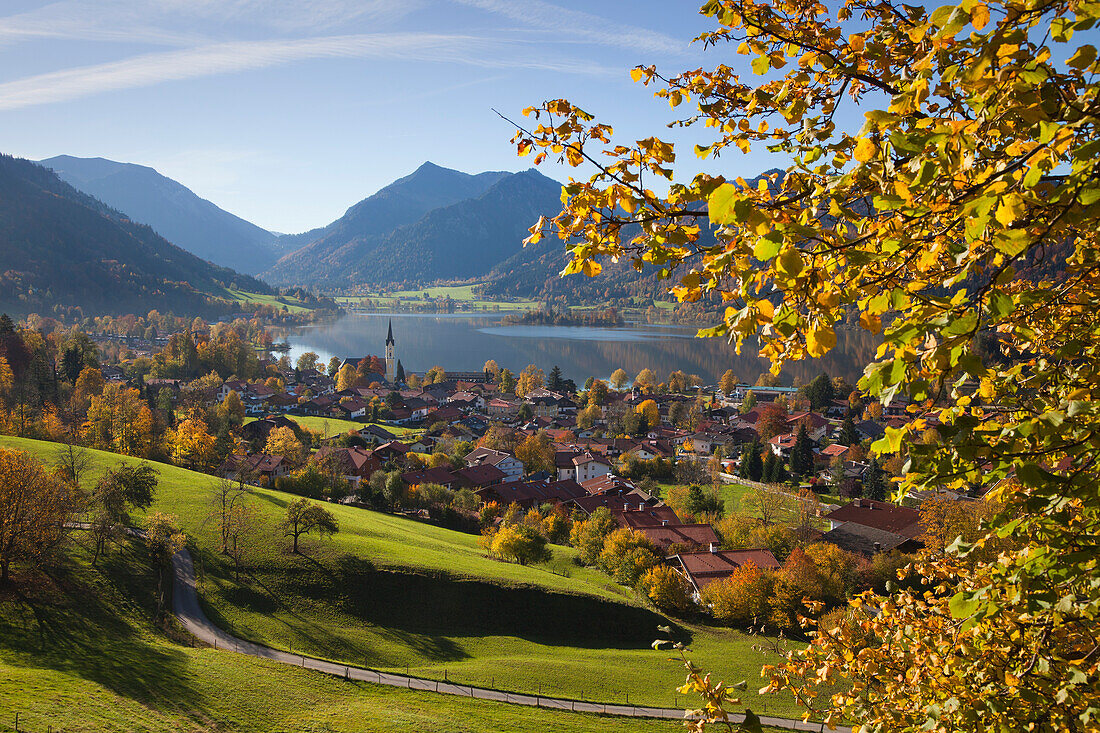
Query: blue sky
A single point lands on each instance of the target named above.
(286, 112)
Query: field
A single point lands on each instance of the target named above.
(291, 304)
(79, 652)
(333, 426)
(461, 294)
(395, 593)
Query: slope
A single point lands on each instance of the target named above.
(323, 253)
(172, 210)
(81, 652)
(397, 594)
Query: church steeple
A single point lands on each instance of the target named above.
(391, 356)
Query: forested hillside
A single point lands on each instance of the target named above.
(62, 249)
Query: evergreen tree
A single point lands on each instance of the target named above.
(399, 372)
(874, 485)
(769, 467)
(752, 465)
(848, 435)
(553, 380)
(802, 454)
(819, 391)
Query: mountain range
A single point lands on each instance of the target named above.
(433, 224)
(62, 249)
(173, 210)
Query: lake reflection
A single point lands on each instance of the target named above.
(463, 342)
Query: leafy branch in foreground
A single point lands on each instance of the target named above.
(967, 206)
(717, 697)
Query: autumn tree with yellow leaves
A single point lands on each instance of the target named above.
(966, 206)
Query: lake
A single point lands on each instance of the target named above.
(463, 342)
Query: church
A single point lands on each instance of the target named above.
(391, 356)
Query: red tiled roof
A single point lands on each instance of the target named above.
(880, 515)
(703, 568)
(682, 534)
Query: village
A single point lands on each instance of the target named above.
(681, 466)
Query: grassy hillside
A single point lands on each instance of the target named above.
(331, 426)
(392, 592)
(79, 652)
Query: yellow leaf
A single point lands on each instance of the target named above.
(819, 339)
(790, 262)
(979, 16)
(766, 308)
(524, 147)
(590, 268)
(1011, 209)
(573, 156)
(865, 150)
(636, 74)
(870, 321)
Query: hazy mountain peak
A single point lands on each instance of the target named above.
(173, 210)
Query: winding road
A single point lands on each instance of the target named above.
(185, 605)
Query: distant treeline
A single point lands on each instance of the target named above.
(565, 317)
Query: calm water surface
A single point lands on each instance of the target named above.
(463, 342)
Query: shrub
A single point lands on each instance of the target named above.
(521, 543)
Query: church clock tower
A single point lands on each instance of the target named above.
(391, 358)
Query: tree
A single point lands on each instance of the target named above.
(554, 379)
(772, 421)
(399, 373)
(728, 382)
(802, 454)
(491, 368)
(89, 383)
(435, 375)
(231, 410)
(848, 435)
(752, 465)
(649, 410)
(677, 382)
(530, 379)
(34, 507)
(668, 589)
(874, 482)
(536, 453)
(768, 504)
(308, 360)
(346, 378)
(589, 534)
(283, 442)
(626, 555)
(163, 538)
(946, 221)
(507, 382)
(240, 527)
(120, 421)
(646, 381)
(303, 517)
(192, 445)
(617, 379)
(819, 391)
(597, 393)
(334, 366)
(120, 491)
(521, 543)
(749, 402)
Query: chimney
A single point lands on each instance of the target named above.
(878, 547)
(664, 522)
(713, 548)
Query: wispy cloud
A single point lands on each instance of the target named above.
(190, 22)
(576, 24)
(154, 68)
